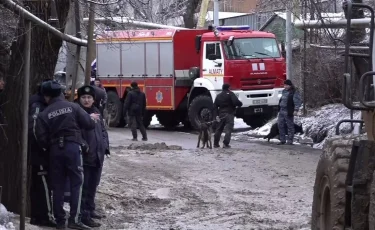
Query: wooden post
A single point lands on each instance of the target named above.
(25, 121)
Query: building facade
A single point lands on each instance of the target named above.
(239, 6)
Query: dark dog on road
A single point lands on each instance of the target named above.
(275, 131)
(205, 132)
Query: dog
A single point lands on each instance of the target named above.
(275, 131)
(205, 133)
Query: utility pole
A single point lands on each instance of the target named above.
(202, 14)
(78, 51)
(90, 43)
(25, 120)
(216, 13)
(304, 65)
(288, 40)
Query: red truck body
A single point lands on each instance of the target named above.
(175, 67)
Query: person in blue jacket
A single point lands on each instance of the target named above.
(289, 105)
(97, 141)
(40, 190)
(58, 130)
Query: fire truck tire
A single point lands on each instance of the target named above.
(328, 206)
(114, 107)
(199, 105)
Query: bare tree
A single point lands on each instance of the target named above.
(44, 51)
(325, 66)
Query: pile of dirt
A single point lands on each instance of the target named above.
(155, 146)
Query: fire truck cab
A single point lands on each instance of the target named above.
(182, 72)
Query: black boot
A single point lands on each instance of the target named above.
(60, 226)
(78, 225)
(96, 215)
(226, 146)
(91, 223)
(47, 223)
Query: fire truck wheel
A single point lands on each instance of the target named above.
(329, 189)
(200, 106)
(114, 107)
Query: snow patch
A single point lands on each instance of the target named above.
(5, 216)
(318, 125)
(238, 123)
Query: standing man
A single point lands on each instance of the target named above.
(40, 192)
(135, 107)
(289, 104)
(97, 140)
(59, 130)
(224, 108)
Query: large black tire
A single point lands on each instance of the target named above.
(328, 207)
(114, 108)
(256, 121)
(168, 119)
(200, 105)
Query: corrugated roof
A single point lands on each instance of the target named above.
(209, 17)
(223, 15)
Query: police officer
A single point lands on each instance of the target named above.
(289, 104)
(40, 193)
(135, 107)
(97, 140)
(225, 107)
(59, 130)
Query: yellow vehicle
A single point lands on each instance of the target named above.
(344, 190)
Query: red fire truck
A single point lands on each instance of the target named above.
(182, 72)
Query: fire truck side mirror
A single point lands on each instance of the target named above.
(198, 41)
(283, 52)
(230, 41)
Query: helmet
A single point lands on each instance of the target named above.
(51, 89)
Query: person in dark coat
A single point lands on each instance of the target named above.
(58, 130)
(97, 140)
(40, 192)
(100, 98)
(225, 107)
(100, 95)
(135, 107)
(289, 104)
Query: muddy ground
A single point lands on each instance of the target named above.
(254, 185)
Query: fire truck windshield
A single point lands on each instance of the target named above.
(250, 48)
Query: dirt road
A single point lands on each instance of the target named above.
(254, 185)
(251, 186)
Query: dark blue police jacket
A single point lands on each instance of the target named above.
(62, 119)
(97, 141)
